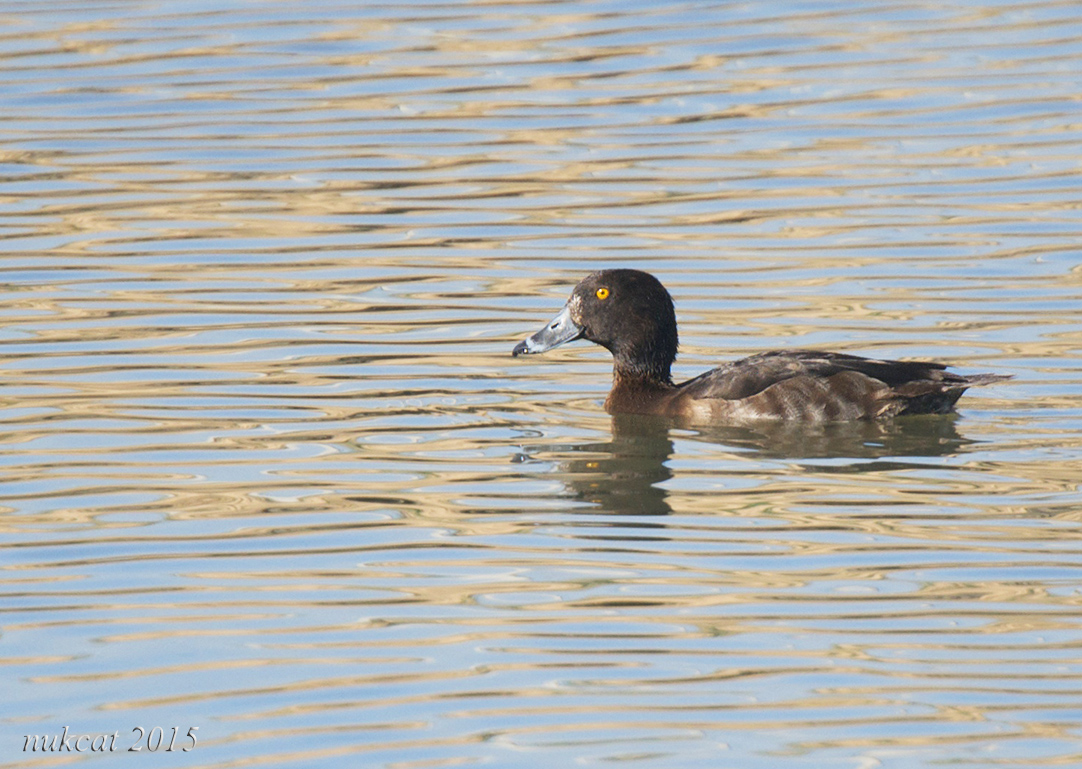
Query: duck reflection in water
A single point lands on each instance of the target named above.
(625, 475)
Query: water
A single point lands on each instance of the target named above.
(271, 472)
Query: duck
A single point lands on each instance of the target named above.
(631, 314)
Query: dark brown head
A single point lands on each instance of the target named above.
(628, 312)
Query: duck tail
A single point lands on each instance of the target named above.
(939, 397)
(979, 380)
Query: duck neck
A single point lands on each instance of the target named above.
(645, 358)
(636, 390)
(638, 376)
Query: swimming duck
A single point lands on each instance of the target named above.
(630, 313)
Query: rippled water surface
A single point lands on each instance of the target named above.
(270, 471)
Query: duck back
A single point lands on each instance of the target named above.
(822, 387)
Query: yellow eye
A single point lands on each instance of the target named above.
(602, 293)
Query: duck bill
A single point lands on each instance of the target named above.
(556, 332)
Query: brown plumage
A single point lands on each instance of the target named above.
(631, 314)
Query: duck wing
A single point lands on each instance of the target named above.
(826, 386)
